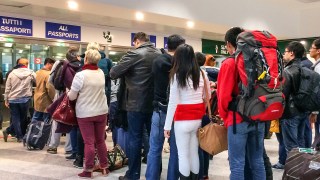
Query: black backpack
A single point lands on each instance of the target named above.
(57, 77)
(307, 95)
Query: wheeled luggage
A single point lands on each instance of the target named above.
(37, 135)
(304, 165)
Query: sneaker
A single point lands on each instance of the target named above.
(72, 156)
(52, 150)
(5, 136)
(78, 163)
(278, 166)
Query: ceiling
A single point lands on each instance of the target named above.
(286, 18)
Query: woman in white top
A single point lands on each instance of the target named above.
(186, 107)
(88, 87)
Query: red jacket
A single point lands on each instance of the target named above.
(228, 80)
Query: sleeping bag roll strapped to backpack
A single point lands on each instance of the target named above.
(259, 65)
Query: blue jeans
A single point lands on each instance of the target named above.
(112, 119)
(293, 132)
(19, 112)
(307, 133)
(243, 143)
(137, 121)
(282, 149)
(317, 126)
(154, 165)
(41, 116)
(74, 139)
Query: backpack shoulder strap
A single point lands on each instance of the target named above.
(314, 65)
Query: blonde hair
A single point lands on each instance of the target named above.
(24, 61)
(93, 45)
(92, 56)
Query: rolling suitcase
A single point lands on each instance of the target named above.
(302, 165)
(37, 135)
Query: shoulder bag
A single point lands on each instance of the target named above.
(212, 137)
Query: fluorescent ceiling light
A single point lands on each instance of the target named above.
(72, 5)
(112, 52)
(20, 51)
(303, 42)
(190, 24)
(139, 16)
(7, 44)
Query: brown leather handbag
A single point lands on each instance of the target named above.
(65, 112)
(212, 137)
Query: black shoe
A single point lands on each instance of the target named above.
(19, 140)
(144, 160)
(5, 136)
(72, 156)
(182, 177)
(194, 176)
(68, 152)
(123, 178)
(78, 163)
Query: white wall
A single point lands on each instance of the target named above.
(90, 33)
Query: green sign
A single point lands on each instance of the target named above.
(214, 47)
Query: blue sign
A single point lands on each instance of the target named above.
(153, 39)
(165, 40)
(17, 26)
(63, 31)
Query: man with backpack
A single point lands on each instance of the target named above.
(248, 95)
(61, 76)
(292, 121)
(315, 53)
(160, 69)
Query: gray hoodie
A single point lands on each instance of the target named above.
(19, 84)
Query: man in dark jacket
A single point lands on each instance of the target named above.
(305, 62)
(292, 121)
(105, 65)
(136, 67)
(161, 69)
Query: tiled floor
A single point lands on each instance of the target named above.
(17, 163)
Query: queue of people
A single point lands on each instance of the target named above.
(159, 94)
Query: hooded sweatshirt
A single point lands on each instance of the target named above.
(19, 84)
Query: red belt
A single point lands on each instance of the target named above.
(189, 112)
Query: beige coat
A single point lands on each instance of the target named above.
(44, 92)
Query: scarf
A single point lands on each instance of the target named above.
(90, 67)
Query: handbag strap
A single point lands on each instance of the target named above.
(206, 99)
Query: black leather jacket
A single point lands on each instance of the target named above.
(291, 85)
(136, 67)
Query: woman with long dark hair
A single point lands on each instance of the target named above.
(186, 107)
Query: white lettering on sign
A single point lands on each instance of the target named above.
(63, 34)
(11, 21)
(15, 29)
(63, 28)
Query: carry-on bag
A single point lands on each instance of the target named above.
(37, 135)
(303, 163)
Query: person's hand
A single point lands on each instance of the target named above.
(6, 103)
(313, 118)
(166, 133)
